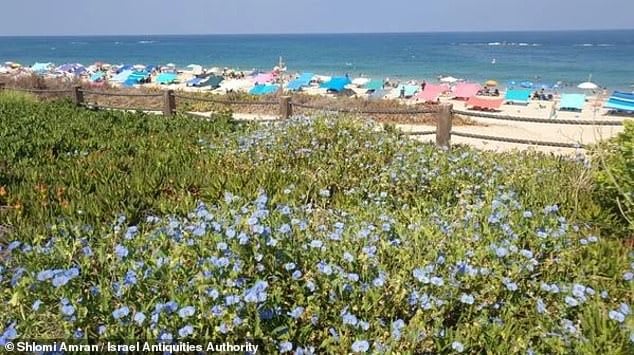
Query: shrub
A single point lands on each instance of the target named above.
(614, 178)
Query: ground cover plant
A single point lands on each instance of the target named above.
(315, 235)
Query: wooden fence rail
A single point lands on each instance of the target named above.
(444, 114)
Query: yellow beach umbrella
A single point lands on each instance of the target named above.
(491, 83)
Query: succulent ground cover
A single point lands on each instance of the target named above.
(315, 235)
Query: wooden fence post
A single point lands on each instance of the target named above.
(286, 107)
(78, 95)
(443, 126)
(2, 86)
(169, 103)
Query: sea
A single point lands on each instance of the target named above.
(569, 57)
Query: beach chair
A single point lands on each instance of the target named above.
(621, 102)
(517, 97)
(572, 102)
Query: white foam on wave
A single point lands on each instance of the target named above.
(146, 42)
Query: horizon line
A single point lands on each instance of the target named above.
(317, 33)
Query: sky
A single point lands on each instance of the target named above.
(146, 17)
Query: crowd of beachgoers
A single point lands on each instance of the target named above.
(588, 98)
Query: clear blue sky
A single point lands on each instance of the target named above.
(90, 17)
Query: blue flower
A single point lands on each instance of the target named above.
(297, 275)
(348, 257)
(231, 300)
(360, 346)
(139, 318)
(628, 276)
(186, 312)
(541, 307)
(130, 278)
(421, 275)
(350, 319)
(166, 337)
(296, 312)
(571, 301)
(186, 331)
(616, 316)
(285, 346)
(121, 251)
(501, 252)
(120, 312)
(437, 281)
(87, 251)
(101, 329)
(9, 334)
(255, 294)
(67, 310)
(457, 346)
(467, 299)
(289, 266)
(624, 308)
(222, 246)
(397, 326)
(36, 305)
(45, 275)
(170, 306)
(285, 228)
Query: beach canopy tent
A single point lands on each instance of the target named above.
(236, 85)
(121, 77)
(97, 76)
(378, 94)
(125, 67)
(373, 85)
(466, 90)
(410, 90)
(336, 83)
(264, 89)
(479, 102)
(300, 82)
(521, 97)
(74, 68)
(166, 78)
(41, 67)
(195, 68)
(621, 101)
(195, 81)
(572, 102)
(263, 78)
(432, 92)
(136, 77)
(213, 81)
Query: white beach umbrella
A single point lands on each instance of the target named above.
(448, 79)
(360, 81)
(139, 66)
(588, 86)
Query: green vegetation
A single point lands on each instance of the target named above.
(311, 235)
(615, 178)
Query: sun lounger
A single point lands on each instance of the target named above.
(520, 97)
(573, 102)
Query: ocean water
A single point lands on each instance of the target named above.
(570, 56)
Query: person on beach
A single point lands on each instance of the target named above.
(402, 92)
(422, 86)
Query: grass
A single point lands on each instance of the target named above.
(320, 234)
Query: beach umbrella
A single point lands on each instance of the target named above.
(139, 66)
(588, 86)
(491, 83)
(448, 79)
(527, 84)
(360, 81)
